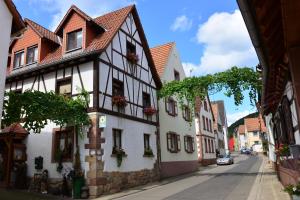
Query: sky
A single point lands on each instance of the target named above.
(209, 34)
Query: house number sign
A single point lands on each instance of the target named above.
(102, 121)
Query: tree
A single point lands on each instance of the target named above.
(234, 81)
(36, 109)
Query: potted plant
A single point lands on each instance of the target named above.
(132, 57)
(148, 152)
(149, 111)
(119, 101)
(120, 153)
(294, 191)
(283, 150)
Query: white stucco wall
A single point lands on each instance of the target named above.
(177, 123)
(290, 95)
(132, 143)
(41, 144)
(200, 131)
(271, 141)
(5, 24)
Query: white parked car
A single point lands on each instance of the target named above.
(224, 160)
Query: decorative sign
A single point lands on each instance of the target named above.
(102, 121)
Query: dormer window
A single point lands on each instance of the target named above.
(32, 55)
(74, 40)
(18, 59)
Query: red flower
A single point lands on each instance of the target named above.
(119, 101)
(132, 57)
(149, 111)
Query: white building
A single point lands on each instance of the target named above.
(223, 116)
(11, 23)
(109, 57)
(218, 130)
(177, 132)
(206, 137)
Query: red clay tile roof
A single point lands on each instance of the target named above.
(112, 22)
(42, 31)
(73, 8)
(15, 128)
(215, 111)
(255, 124)
(241, 129)
(161, 55)
(18, 23)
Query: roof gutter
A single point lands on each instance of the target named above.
(248, 15)
(46, 65)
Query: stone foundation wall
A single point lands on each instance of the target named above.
(112, 182)
(206, 162)
(175, 168)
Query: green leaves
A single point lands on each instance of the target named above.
(233, 81)
(36, 109)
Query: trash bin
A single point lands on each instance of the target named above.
(78, 183)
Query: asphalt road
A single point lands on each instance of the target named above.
(233, 182)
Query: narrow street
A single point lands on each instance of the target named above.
(232, 182)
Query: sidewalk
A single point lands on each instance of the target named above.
(266, 185)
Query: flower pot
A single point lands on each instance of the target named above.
(295, 197)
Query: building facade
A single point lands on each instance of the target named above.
(177, 132)
(223, 117)
(218, 130)
(13, 23)
(278, 56)
(108, 57)
(206, 136)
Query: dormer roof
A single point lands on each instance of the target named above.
(43, 32)
(75, 9)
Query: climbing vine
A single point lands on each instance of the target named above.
(233, 81)
(36, 109)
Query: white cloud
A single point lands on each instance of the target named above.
(233, 117)
(182, 23)
(94, 8)
(226, 43)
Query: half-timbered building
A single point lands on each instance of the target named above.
(108, 57)
(177, 132)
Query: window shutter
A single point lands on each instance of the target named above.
(169, 141)
(288, 120)
(175, 108)
(186, 143)
(167, 104)
(193, 144)
(178, 143)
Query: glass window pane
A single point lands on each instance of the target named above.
(79, 39)
(35, 54)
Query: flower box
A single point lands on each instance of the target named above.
(132, 57)
(148, 153)
(149, 111)
(119, 101)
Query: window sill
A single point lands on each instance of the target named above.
(148, 156)
(72, 50)
(173, 115)
(115, 155)
(28, 64)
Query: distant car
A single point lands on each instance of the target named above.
(225, 160)
(245, 151)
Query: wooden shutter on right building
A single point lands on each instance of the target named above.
(288, 120)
